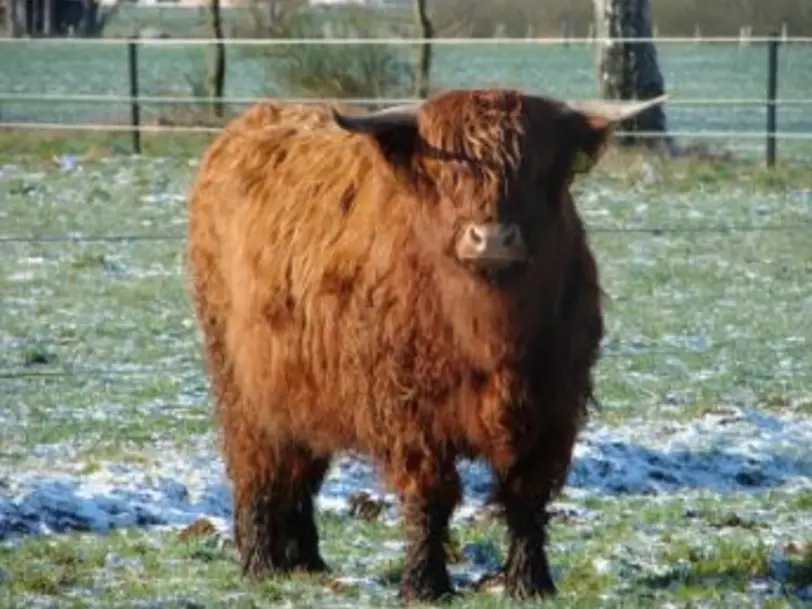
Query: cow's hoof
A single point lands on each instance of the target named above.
(530, 587)
(259, 566)
(427, 594)
(258, 572)
(313, 565)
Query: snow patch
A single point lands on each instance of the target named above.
(737, 452)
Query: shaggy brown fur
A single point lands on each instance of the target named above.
(336, 317)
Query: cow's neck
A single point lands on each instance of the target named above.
(479, 322)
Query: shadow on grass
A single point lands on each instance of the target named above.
(61, 505)
(622, 468)
(750, 452)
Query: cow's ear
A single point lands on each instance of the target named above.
(590, 138)
(589, 127)
(394, 130)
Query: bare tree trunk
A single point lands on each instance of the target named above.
(105, 15)
(48, 17)
(424, 56)
(630, 70)
(91, 10)
(93, 18)
(217, 61)
(23, 18)
(35, 6)
(11, 16)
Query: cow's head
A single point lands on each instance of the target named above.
(492, 168)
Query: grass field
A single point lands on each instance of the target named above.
(691, 488)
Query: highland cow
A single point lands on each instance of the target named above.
(414, 284)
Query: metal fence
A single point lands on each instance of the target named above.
(791, 109)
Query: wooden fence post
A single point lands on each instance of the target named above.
(772, 94)
(135, 110)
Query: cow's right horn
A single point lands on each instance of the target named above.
(380, 120)
(618, 111)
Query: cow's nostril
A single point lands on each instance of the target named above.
(509, 237)
(475, 235)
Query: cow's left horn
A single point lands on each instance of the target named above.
(380, 120)
(618, 111)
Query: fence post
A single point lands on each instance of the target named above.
(135, 110)
(772, 94)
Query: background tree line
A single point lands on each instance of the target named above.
(463, 18)
(517, 18)
(545, 18)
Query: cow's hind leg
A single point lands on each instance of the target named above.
(252, 462)
(274, 496)
(524, 491)
(274, 481)
(429, 488)
(308, 475)
(249, 458)
(261, 501)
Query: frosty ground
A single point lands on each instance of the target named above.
(691, 487)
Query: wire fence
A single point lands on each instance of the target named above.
(405, 41)
(789, 346)
(732, 119)
(721, 229)
(355, 101)
(129, 369)
(200, 129)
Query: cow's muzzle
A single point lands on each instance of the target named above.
(491, 246)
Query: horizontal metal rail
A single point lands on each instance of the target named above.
(709, 134)
(148, 99)
(401, 41)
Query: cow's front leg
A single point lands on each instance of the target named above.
(429, 494)
(527, 572)
(524, 490)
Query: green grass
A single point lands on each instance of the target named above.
(100, 365)
(593, 564)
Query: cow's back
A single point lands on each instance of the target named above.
(254, 192)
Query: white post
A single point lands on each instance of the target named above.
(565, 34)
(744, 35)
